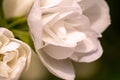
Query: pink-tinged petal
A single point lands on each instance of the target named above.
(88, 56)
(59, 29)
(81, 24)
(78, 21)
(60, 68)
(98, 13)
(35, 26)
(86, 46)
(85, 4)
(63, 7)
(78, 0)
(61, 48)
(49, 3)
(47, 18)
(58, 52)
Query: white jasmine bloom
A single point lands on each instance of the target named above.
(16, 8)
(66, 30)
(15, 56)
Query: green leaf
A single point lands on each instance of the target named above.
(14, 22)
(3, 21)
(23, 35)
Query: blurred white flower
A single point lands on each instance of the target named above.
(16, 8)
(65, 30)
(15, 56)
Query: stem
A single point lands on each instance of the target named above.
(17, 21)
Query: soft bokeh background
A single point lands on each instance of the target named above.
(105, 68)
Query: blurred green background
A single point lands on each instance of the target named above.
(105, 68)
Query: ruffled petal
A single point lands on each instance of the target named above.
(93, 52)
(98, 13)
(49, 3)
(6, 32)
(18, 68)
(86, 46)
(35, 26)
(58, 52)
(25, 51)
(10, 47)
(60, 68)
(4, 70)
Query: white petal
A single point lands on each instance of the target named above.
(59, 29)
(6, 32)
(69, 41)
(60, 68)
(34, 22)
(18, 68)
(63, 7)
(98, 13)
(90, 56)
(47, 18)
(82, 24)
(58, 52)
(49, 3)
(54, 3)
(16, 8)
(75, 37)
(78, 21)
(24, 51)
(4, 40)
(78, 0)
(61, 15)
(4, 70)
(85, 4)
(10, 47)
(10, 56)
(86, 46)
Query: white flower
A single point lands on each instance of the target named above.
(65, 30)
(16, 8)
(15, 56)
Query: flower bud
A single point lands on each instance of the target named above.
(16, 8)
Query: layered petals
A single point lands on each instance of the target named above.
(87, 51)
(60, 68)
(98, 13)
(58, 52)
(65, 30)
(15, 56)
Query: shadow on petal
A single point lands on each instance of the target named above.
(60, 68)
(90, 56)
